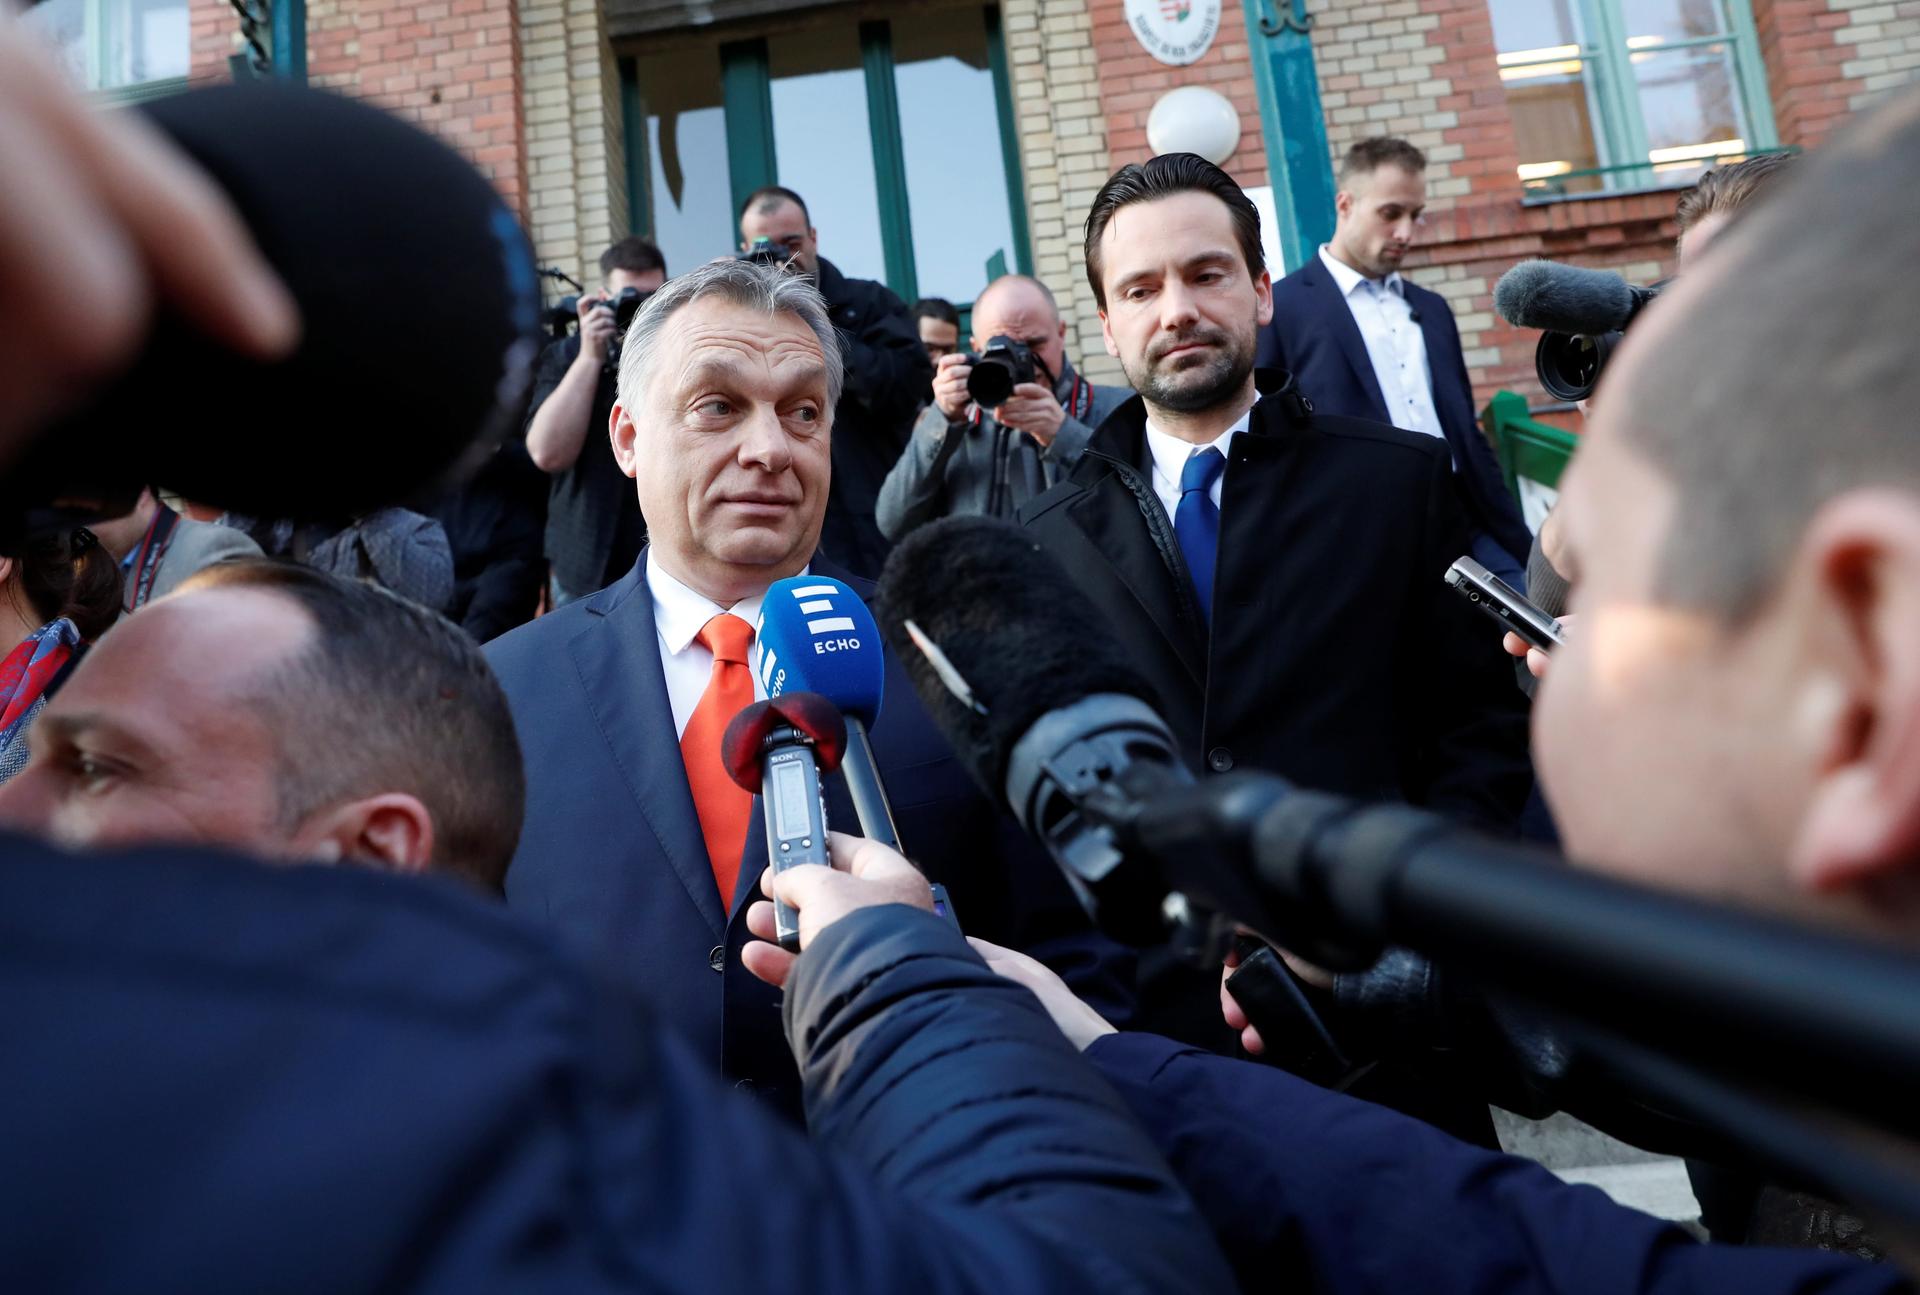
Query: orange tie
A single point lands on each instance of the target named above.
(724, 808)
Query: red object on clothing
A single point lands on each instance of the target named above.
(723, 807)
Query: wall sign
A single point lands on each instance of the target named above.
(1176, 32)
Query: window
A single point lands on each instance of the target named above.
(899, 137)
(823, 139)
(684, 158)
(117, 44)
(1629, 94)
(956, 184)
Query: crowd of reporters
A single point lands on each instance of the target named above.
(513, 1068)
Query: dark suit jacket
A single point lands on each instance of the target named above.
(1338, 657)
(320, 1080)
(1313, 337)
(1312, 1190)
(612, 856)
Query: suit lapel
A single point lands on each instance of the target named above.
(1116, 523)
(618, 659)
(1337, 315)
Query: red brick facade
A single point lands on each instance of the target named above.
(452, 65)
(1427, 69)
(1131, 81)
(1083, 88)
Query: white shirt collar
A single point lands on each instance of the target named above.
(1170, 453)
(679, 613)
(1348, 278)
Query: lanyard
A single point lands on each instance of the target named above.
(148, 557)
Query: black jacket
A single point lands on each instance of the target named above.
(594, 527)
(888, 376)
(1313, 336)
(495, 525)
(247, 1078)
(1338, 659)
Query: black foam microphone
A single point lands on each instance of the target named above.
(1013, 664)
(1567, 298)
(419, 308)
(1038, 702)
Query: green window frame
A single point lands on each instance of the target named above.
(1605, 55)
(752, 161)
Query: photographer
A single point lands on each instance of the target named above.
(594, 530)
(967, 459)
(886, 365)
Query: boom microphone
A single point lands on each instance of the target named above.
(815, 635)
(1039, 705)
(1006, 655)
(777, 750)
(1567, 298)
(419, 310)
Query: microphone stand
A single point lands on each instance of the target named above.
(863, 786)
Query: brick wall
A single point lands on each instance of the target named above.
(575, 141)
(1826, 59)
(1063, 156)
(451, 65)
(1426, 70)
(1132, 80)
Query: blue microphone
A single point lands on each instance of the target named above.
(816, 635)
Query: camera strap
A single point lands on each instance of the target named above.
(148, 557)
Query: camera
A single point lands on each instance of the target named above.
(1569, 364)
(624, 306)
(1004, 365)
(767, 252)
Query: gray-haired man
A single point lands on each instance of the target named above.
(636, 848)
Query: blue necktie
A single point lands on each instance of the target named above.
(1197, 521)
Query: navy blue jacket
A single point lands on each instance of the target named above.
(1311, 1189)
(1313, 336)
(228, 1078)
(612, 857)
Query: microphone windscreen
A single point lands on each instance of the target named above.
(419, 309)
(1011, 623)
(1563, 298)
(746, 734)
(816, 635)
(741, 744)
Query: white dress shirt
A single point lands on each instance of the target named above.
(1170, 455)
(1394, 343)
(679, 614)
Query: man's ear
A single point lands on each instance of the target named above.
(392, 830)
(620, 428)
(1860, 562)
(1106, 335)
(1263, 299)
(1343, 204)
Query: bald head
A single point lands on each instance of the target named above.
(1022, 308)
(1782, 371)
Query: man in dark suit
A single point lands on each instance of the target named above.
(1275, 572)
(637, 848)
(1363, 342)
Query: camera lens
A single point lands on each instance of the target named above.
(990, 382)
(1569, 364)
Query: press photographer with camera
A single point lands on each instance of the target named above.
(594, 529)
(887, 372)
(1007, 418)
